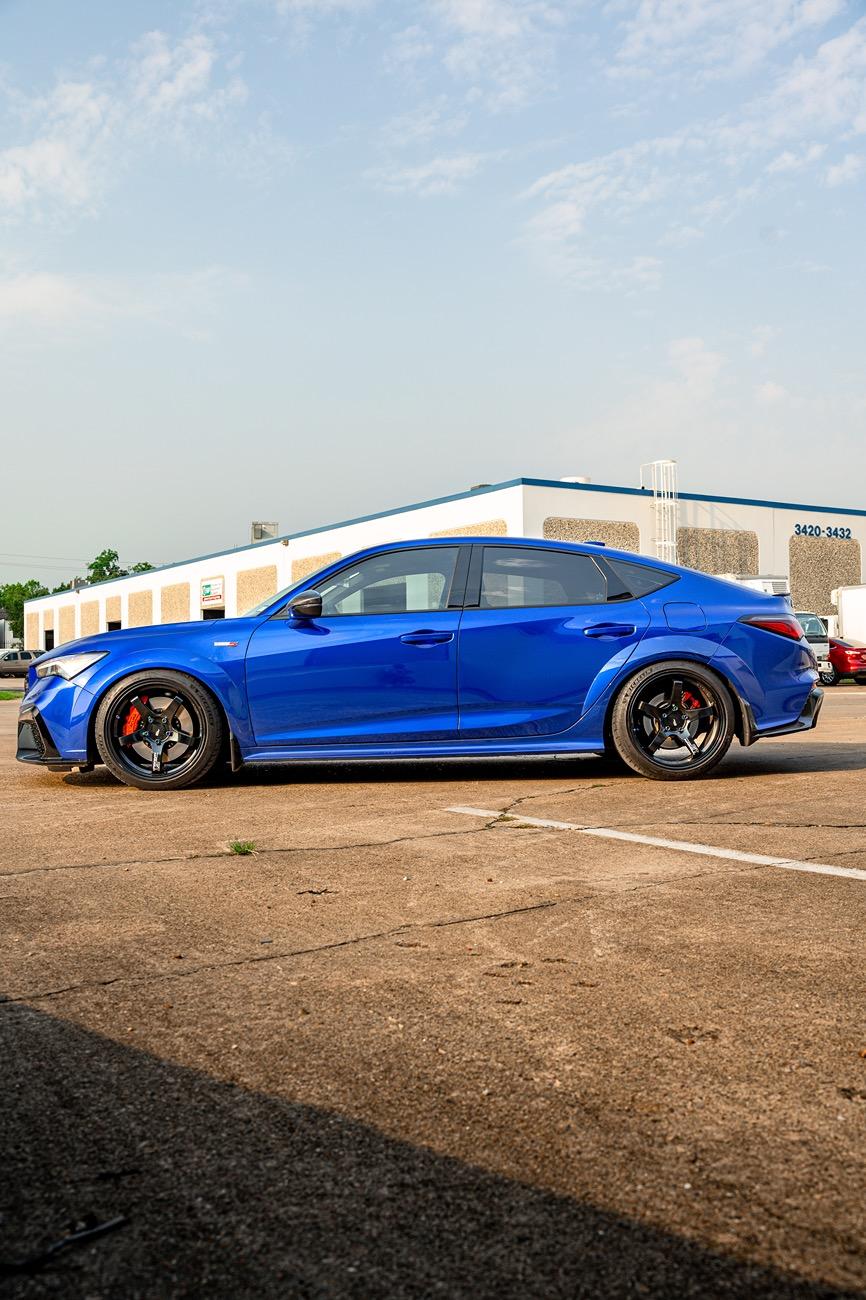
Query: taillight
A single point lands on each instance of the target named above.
(781, 624)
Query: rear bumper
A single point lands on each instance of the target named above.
(805, 722)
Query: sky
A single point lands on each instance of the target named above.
(302, 260)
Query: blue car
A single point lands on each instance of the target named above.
(432, 649)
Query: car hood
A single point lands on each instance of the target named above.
(197, 632)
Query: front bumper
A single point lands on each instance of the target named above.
(35, 743)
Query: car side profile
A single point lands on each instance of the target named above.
(848, 659)
(437, 648)
(15, 663)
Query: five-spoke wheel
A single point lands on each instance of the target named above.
(673, 720)
(159, 731)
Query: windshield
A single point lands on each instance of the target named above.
(811, 625)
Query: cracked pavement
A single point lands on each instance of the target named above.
(400, 1052)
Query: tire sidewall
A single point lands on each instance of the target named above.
(629, 751)
(210, 718)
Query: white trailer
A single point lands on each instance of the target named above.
(851, 605)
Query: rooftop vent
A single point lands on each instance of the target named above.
(262, 529)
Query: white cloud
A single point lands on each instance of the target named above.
(793, 161)
(847, 170)
(762, 336)
(185, 302)
(43, 297)
(714, 169)
(78, 134)
(709, 39)
(659, 414)
(501, 52)
(770, 393)
(438, 176)
(425, 123)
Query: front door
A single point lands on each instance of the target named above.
(542, 626)
(378, 666)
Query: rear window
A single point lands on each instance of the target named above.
(517, 577)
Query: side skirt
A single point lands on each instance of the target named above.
(433, 750)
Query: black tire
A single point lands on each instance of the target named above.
(831, 680)
(146, 716)
(673, 721)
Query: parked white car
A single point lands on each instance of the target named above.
(818, 638)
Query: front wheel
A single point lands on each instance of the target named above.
(673, 721)
(159, 730)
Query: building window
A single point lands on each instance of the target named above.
(49, 638)
(113, 625)
(213, 613)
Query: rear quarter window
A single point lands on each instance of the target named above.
(640, 579)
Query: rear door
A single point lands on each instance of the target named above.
(539, 626)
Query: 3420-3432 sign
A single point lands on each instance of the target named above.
(816, 530)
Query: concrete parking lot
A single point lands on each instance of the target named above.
(403, 1050)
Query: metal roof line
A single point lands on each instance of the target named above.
(461, 496)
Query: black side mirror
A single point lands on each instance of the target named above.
(307, 605)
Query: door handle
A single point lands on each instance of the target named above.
(612, 630)
(425, 637)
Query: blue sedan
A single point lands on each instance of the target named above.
(432, 649)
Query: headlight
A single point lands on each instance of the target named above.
(69, 665)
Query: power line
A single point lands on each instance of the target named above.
(26, 555)
(19, 564)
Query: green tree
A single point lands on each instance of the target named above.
(104, 566)
(12, 598)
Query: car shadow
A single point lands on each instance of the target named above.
(763, 759)
(223, 1191)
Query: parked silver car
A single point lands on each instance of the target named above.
(14, 663)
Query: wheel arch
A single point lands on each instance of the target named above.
(229, 745)
(743, 722)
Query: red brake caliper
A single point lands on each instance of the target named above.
(132, 719)
(690, 701)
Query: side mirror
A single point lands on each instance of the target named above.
(307, 605)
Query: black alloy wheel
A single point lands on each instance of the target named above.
(159, 731)
(673, 721)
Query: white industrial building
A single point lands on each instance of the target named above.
(818, 548)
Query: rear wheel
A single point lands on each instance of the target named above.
(673, 721)
(159, 731)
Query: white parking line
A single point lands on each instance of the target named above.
(681, 846)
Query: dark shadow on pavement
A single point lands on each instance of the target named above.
(232, 1193)
(761, 759)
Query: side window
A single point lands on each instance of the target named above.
(27, 654)
(639, 579)
(514, 577)
(13, 655)
(396, 582)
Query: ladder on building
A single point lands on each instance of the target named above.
(662, 476)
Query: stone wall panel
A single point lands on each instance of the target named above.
(174, 603)
(818, 565)
(718, 550)
(254, 585)
(140, 608)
